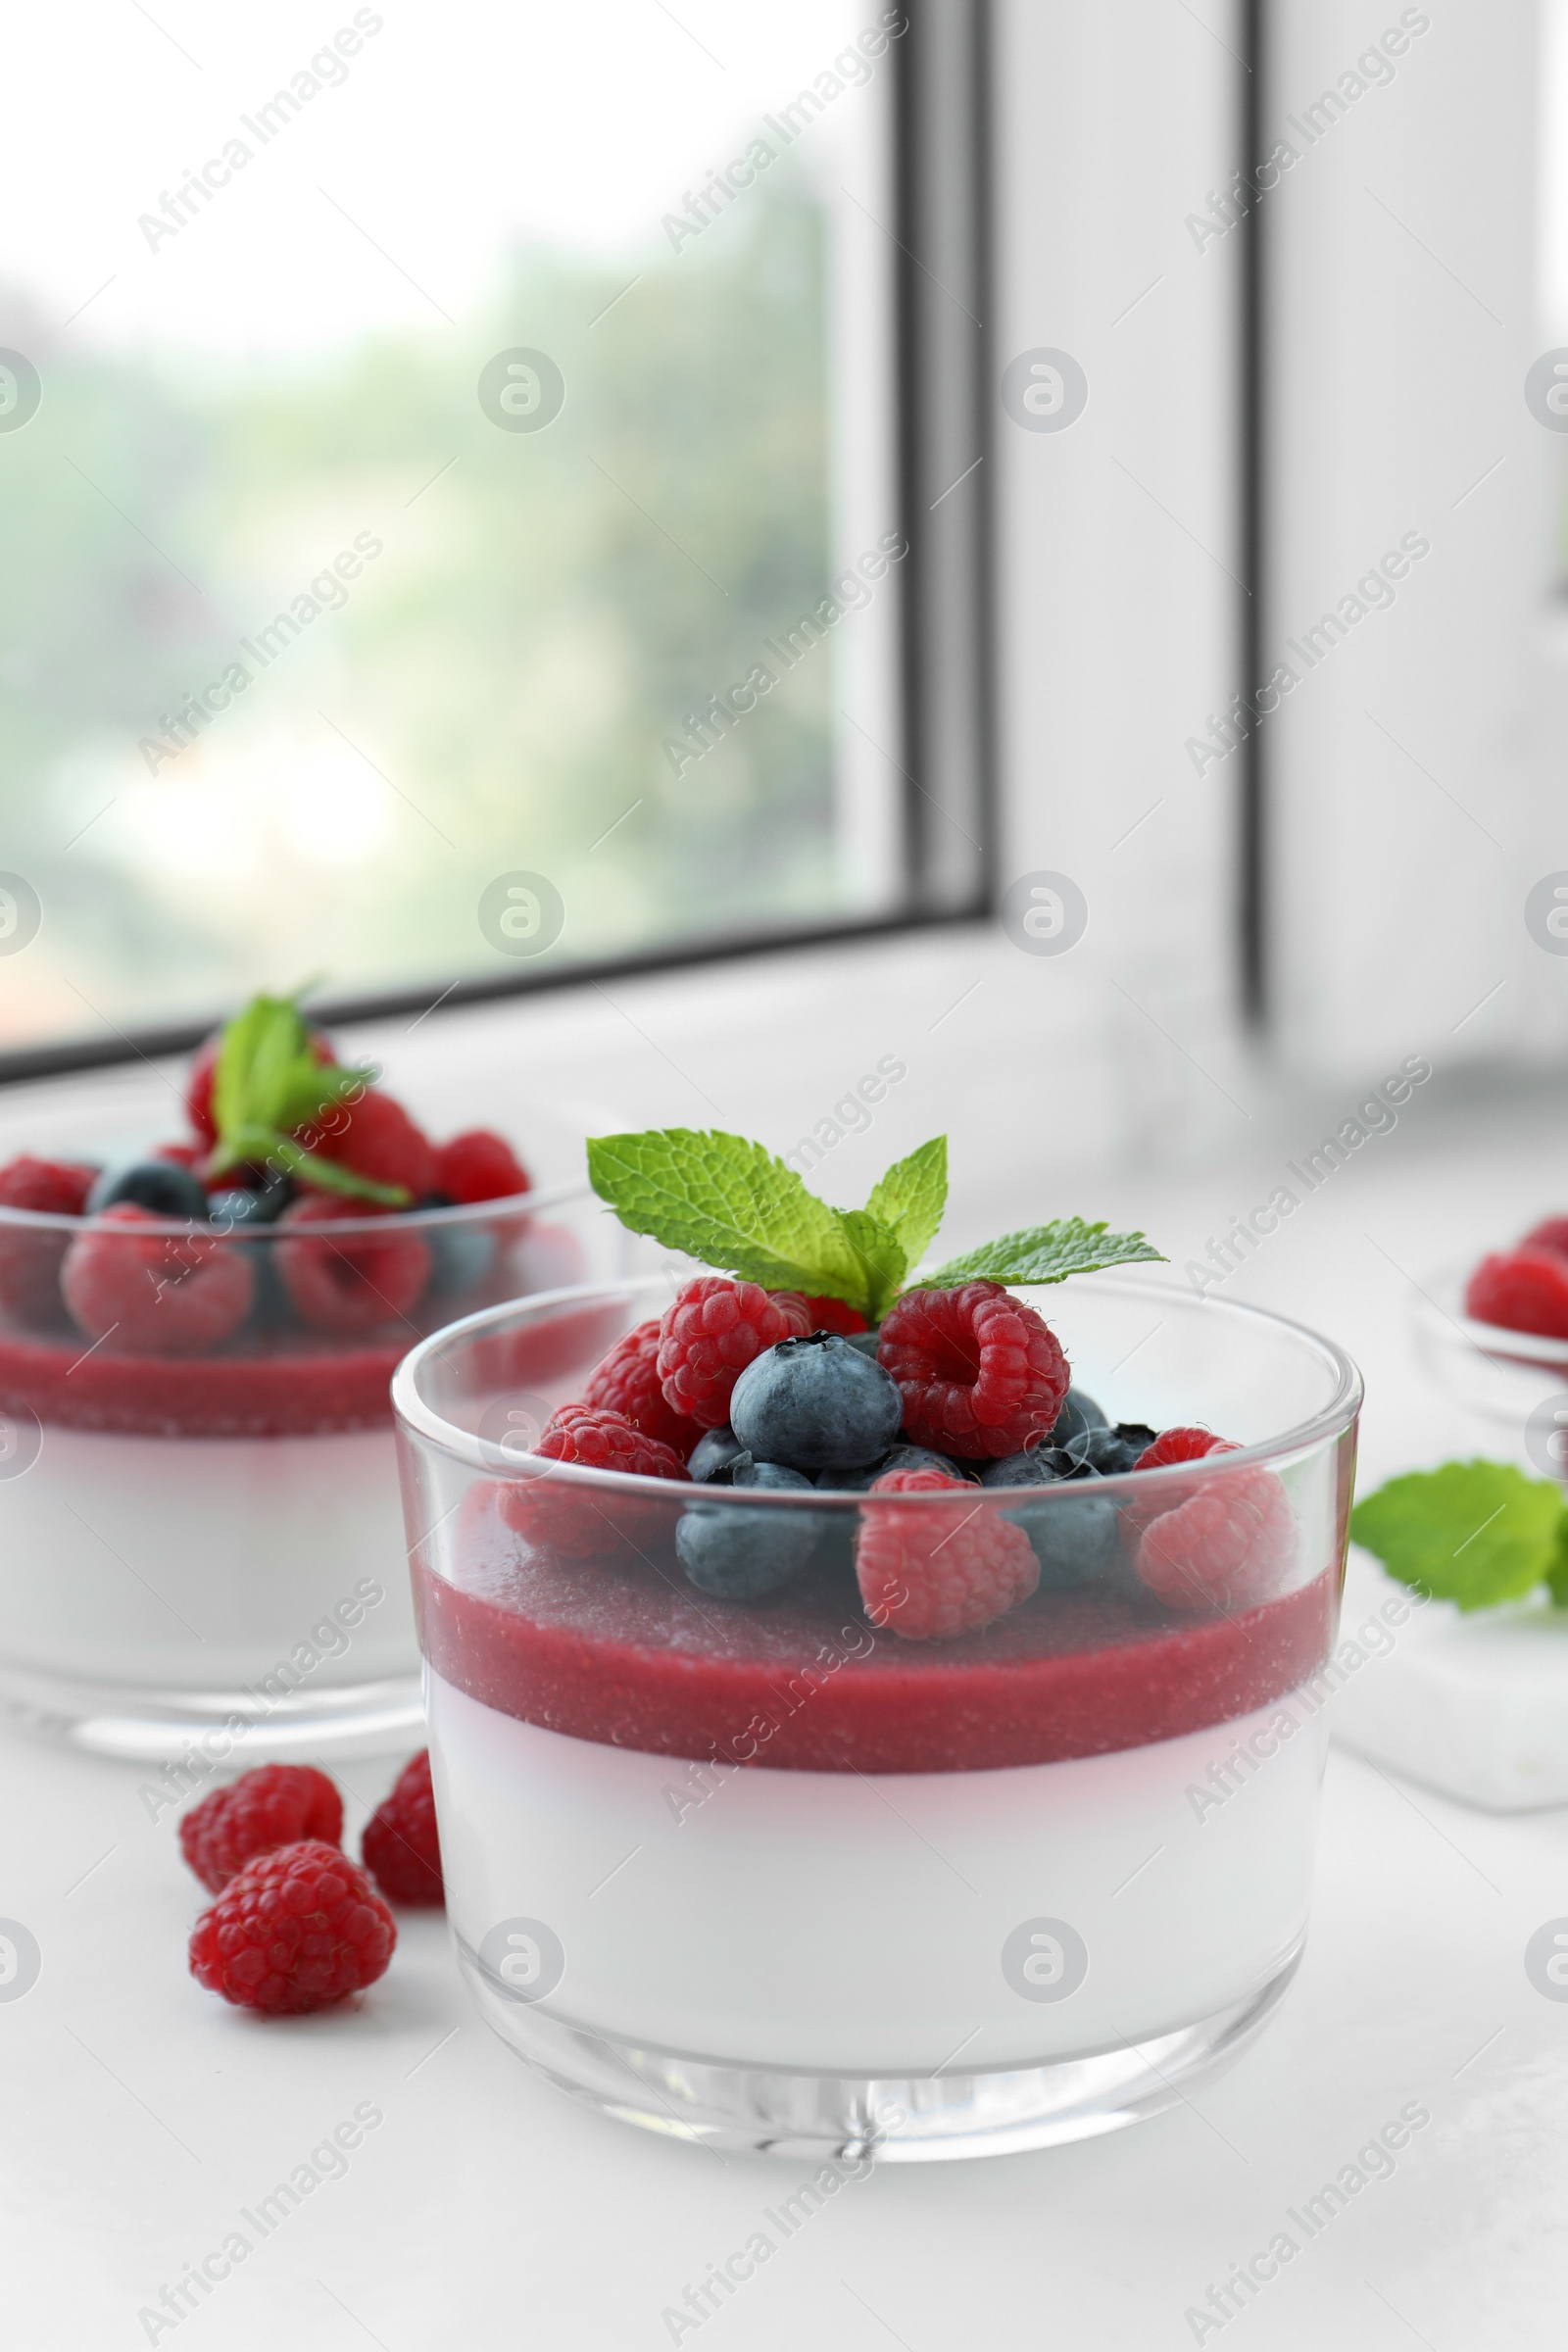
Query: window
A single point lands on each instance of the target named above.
(463, 475)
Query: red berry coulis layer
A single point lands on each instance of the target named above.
(302, 1389)
(800, 1682)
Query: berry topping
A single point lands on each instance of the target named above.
(741, 1555)
(1108, 1451)
(832, 1314)
(572, 1522)
(401, 1849)
(29, 1257)
(375, 1138)
(981, 1373)
(712, 1459)
(1226, 1546)
(1550, 1233)
(1522, 1290)
(479, 1166)
(276, 1804)
(626, 1381)
(352, 1283)
(154, 1293)
(711, 1332)
(199, 1090)
(1182, 1444)
(942, 1569)
(297, 1928)
(901, 1457)
(815, 1404)
(1078, 1414)
(162, 1185)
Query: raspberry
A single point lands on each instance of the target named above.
(179, 1155)
(626, 1381)
(572, 1521)
(479, 1166)
(1182, 1444)
(30, 1257)
(981, 1372)
(296, 1929)
(401, 1849)
(276, 1804)
(1224, 1548)
(946, 1569)
(353, 1284)
(375, 1138)
(199, 1090)
(155, 1294)
(1522, 1290)
(831, 1314)
(1550, 1233)
(712, 1333)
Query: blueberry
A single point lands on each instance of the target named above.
(1078, 1413)
(1110, 1450)
(1037, 1468)
(1072, 1540)
(461, 1255)
(901, 1457)
(740, 1554)
(234, 1205)
(815, 1404)
(714, 1457)
(864, 1342)
(160, 1185)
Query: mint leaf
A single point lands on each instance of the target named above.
(730, 1204)
(1045, 1254)
(266, 1084)
(912, 1197)
(1476, 1533)
(881, 1258)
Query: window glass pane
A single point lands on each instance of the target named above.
(439, 409)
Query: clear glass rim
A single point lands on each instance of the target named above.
(1449, 1321)
(406, 1220)
(410, 1410)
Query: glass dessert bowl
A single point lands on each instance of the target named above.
(200, 1543)
(769, 1872)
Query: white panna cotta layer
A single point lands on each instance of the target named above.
(897, 1924)
(206, 1563)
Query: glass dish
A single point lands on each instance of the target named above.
(769, 1875)
(201, 1551)
(1512, 1379)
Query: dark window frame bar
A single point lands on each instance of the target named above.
(944, 276)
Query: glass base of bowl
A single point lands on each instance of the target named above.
(884, 2119)
(227, 1727)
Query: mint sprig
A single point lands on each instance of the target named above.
(733, 1204)
(1046, 1254)
(1476, 1533)
(268, 1085)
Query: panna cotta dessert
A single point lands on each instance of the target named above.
(199, 1522)
(885, 1721)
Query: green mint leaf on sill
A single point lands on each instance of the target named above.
(911, 1199)
(1045, 1254)
(1476, 1533)
(732, 1204)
